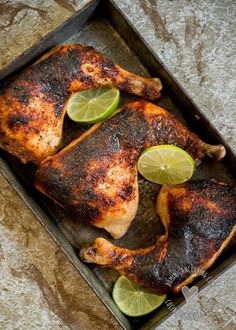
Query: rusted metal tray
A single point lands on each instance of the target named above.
(102, 25)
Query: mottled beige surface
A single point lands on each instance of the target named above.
(214, 308)
(39, 287)
(196, 40)
(23, 23)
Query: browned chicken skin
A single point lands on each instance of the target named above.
(199, 218)
(96, 176)
(32, 104)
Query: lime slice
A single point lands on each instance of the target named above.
(166, 164)
(134, 300)
(93, 105)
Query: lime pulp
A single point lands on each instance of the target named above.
(134, 300)
(93, 105)
(166, 164)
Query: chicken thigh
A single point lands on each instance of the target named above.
(32, 104)
(199, 219)
(96, 175)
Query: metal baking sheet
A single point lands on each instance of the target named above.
(106, 29)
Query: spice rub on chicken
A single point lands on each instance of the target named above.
(32, 103)
(96, 175)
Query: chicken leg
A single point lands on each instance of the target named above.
(32, 104)
(96, 176)
(199, 219)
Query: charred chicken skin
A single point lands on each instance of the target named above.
(199, 219)
(96, 175)
(32, 104)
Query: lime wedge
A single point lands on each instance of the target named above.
(134, 300)
(93, 105)
(166, 164)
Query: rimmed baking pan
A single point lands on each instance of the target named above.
(102, 25)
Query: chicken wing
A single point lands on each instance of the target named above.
(199, 219)
(96, 175)
(32, 104)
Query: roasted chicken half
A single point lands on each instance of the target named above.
(199, 219)
(96, 175)
(32, 104)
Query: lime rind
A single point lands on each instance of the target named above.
(91, 106)
(166, 164)
(133, 300)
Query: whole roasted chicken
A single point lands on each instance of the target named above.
(32, 104)
(199, 219)
(95, 176)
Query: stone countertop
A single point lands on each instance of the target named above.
(39, 288)
(197, 42)
(24, 22)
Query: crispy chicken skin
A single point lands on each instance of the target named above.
(32, 104)
(199, 218)
(96, 175)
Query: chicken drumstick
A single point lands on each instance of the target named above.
(32, 104)
(199, 218)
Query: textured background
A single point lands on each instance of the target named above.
(24, 22)
(39, 288)
(197, 42)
